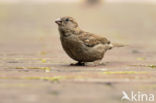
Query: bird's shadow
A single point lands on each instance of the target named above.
(86, 65)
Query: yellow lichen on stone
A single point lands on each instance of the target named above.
(47, 69)
(152, 66)
(140, 58)
(20, 68)
(43, 60)
(124, 72)
(54, 79)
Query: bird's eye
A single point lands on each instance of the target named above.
(67, 19)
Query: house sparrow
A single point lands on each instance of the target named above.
(80, 45)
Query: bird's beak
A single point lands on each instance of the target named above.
(58, 21)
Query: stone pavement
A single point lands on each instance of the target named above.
(35, 69)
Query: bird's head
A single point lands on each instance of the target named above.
(67, 23)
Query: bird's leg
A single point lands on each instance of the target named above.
(78, 64)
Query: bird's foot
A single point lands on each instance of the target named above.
(78, 64)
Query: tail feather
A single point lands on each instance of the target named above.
(117, 45)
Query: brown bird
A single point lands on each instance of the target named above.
(80, 45)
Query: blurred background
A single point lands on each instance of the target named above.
(32, 61)
(24, 22)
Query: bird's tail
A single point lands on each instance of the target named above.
(118, 45)
(112, 45)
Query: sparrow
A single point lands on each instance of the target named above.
(80, 45)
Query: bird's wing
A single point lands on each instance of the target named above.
(91, 40)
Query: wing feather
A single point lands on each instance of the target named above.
(91, 40)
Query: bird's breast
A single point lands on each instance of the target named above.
(78, 51)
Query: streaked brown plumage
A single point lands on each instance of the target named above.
(80, 45)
